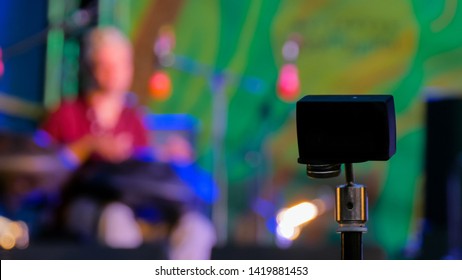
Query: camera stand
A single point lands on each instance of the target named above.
(321, 119)
(351, 215)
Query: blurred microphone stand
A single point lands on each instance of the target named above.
(76, 22)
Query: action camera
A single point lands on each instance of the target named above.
(336, 129)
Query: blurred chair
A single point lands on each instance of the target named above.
(173, 138)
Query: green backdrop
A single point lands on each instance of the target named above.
(349, 46)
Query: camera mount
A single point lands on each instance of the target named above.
(351, 215)
(344, 129)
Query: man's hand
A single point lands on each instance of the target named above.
(114, 148)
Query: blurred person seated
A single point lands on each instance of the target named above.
(105, 141)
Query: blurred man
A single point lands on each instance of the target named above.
(103, 126)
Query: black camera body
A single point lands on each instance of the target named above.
(336, 129)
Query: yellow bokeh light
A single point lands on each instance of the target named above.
(288, 232)
(290, 219)
(298, 214)
(7, 241)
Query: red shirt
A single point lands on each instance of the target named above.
(74, 120)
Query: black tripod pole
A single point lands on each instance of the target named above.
(352, 245)
(351, 215)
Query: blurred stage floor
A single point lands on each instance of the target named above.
(68, 251)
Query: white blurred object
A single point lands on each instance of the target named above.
(192, 238)
(118, 227)
(13, 234)
(289, 221)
